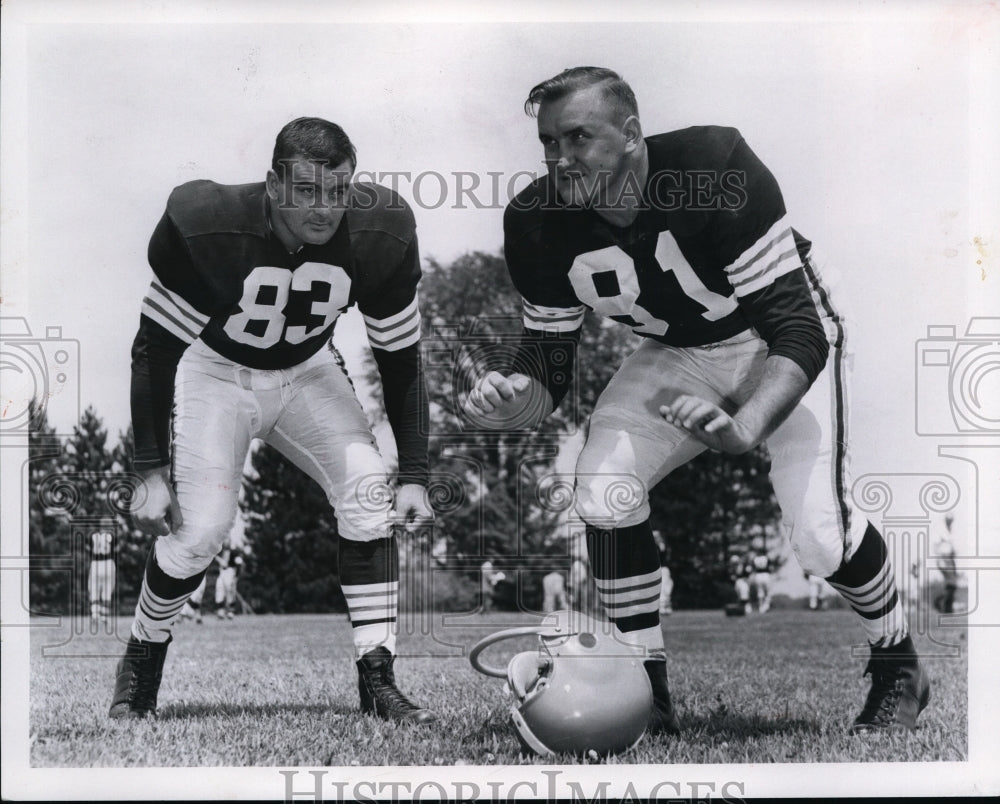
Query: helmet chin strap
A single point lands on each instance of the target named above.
(492, 639)
(523, 673)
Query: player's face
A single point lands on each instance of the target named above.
(586, 148)
(309, 201)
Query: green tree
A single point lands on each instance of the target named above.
(48, 534)
(133, 543)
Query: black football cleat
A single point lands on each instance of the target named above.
(379, 694)
(137, 682)
(663, 719)
(899, 693)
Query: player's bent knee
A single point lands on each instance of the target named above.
(612, 505)
(363, 526)
(362, 534)
(180, 560)
(817, 553)
(195, 545)
(364, 514)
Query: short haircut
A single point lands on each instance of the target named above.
(616, 92)
(314, 139)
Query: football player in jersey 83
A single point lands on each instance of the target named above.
(232, 345)
(742, 345)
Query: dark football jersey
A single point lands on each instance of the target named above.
(710, 255)
(223, 275)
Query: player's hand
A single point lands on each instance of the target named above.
(159, 512)
(412, 509)
(510, 402)
(494, 391)
(709, 423)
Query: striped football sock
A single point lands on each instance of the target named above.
(369, 578)
(160, 601)
(868, 584)
(626, 569)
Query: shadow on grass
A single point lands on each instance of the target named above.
(490, 732)
(196, 710)
(734, 726)
(729, 726)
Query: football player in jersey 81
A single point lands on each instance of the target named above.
(248, 283)
(683, 237)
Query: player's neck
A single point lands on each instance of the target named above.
(626, 199)
(288, 241)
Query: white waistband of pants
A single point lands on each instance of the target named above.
(252, 378)
(740, 337)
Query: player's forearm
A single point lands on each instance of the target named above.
(533, 406)
(803, 343)
(154, 365)
(406, 407)
(780, 389)
(785, 315)
(549, 360)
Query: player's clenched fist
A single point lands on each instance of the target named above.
(509, 402)
(412, 508)
(494, 390)
(159, 511)
(709, 423)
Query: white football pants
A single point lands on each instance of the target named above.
(630, 447)
(309, 413)
(101, 580)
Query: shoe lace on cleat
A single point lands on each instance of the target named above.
(883, 697)
(888, 702)
(141, 675)
(143, 690)
(379, 693)
(390, 696)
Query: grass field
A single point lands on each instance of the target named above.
(282, 691)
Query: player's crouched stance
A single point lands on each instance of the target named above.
(741, 345)
(249, 281)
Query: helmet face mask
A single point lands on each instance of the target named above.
(582, 690)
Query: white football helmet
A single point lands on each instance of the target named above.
(582, 690)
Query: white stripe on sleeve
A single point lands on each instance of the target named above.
(553, 319)
(773, 255)
(397, 330)
(173, 313)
